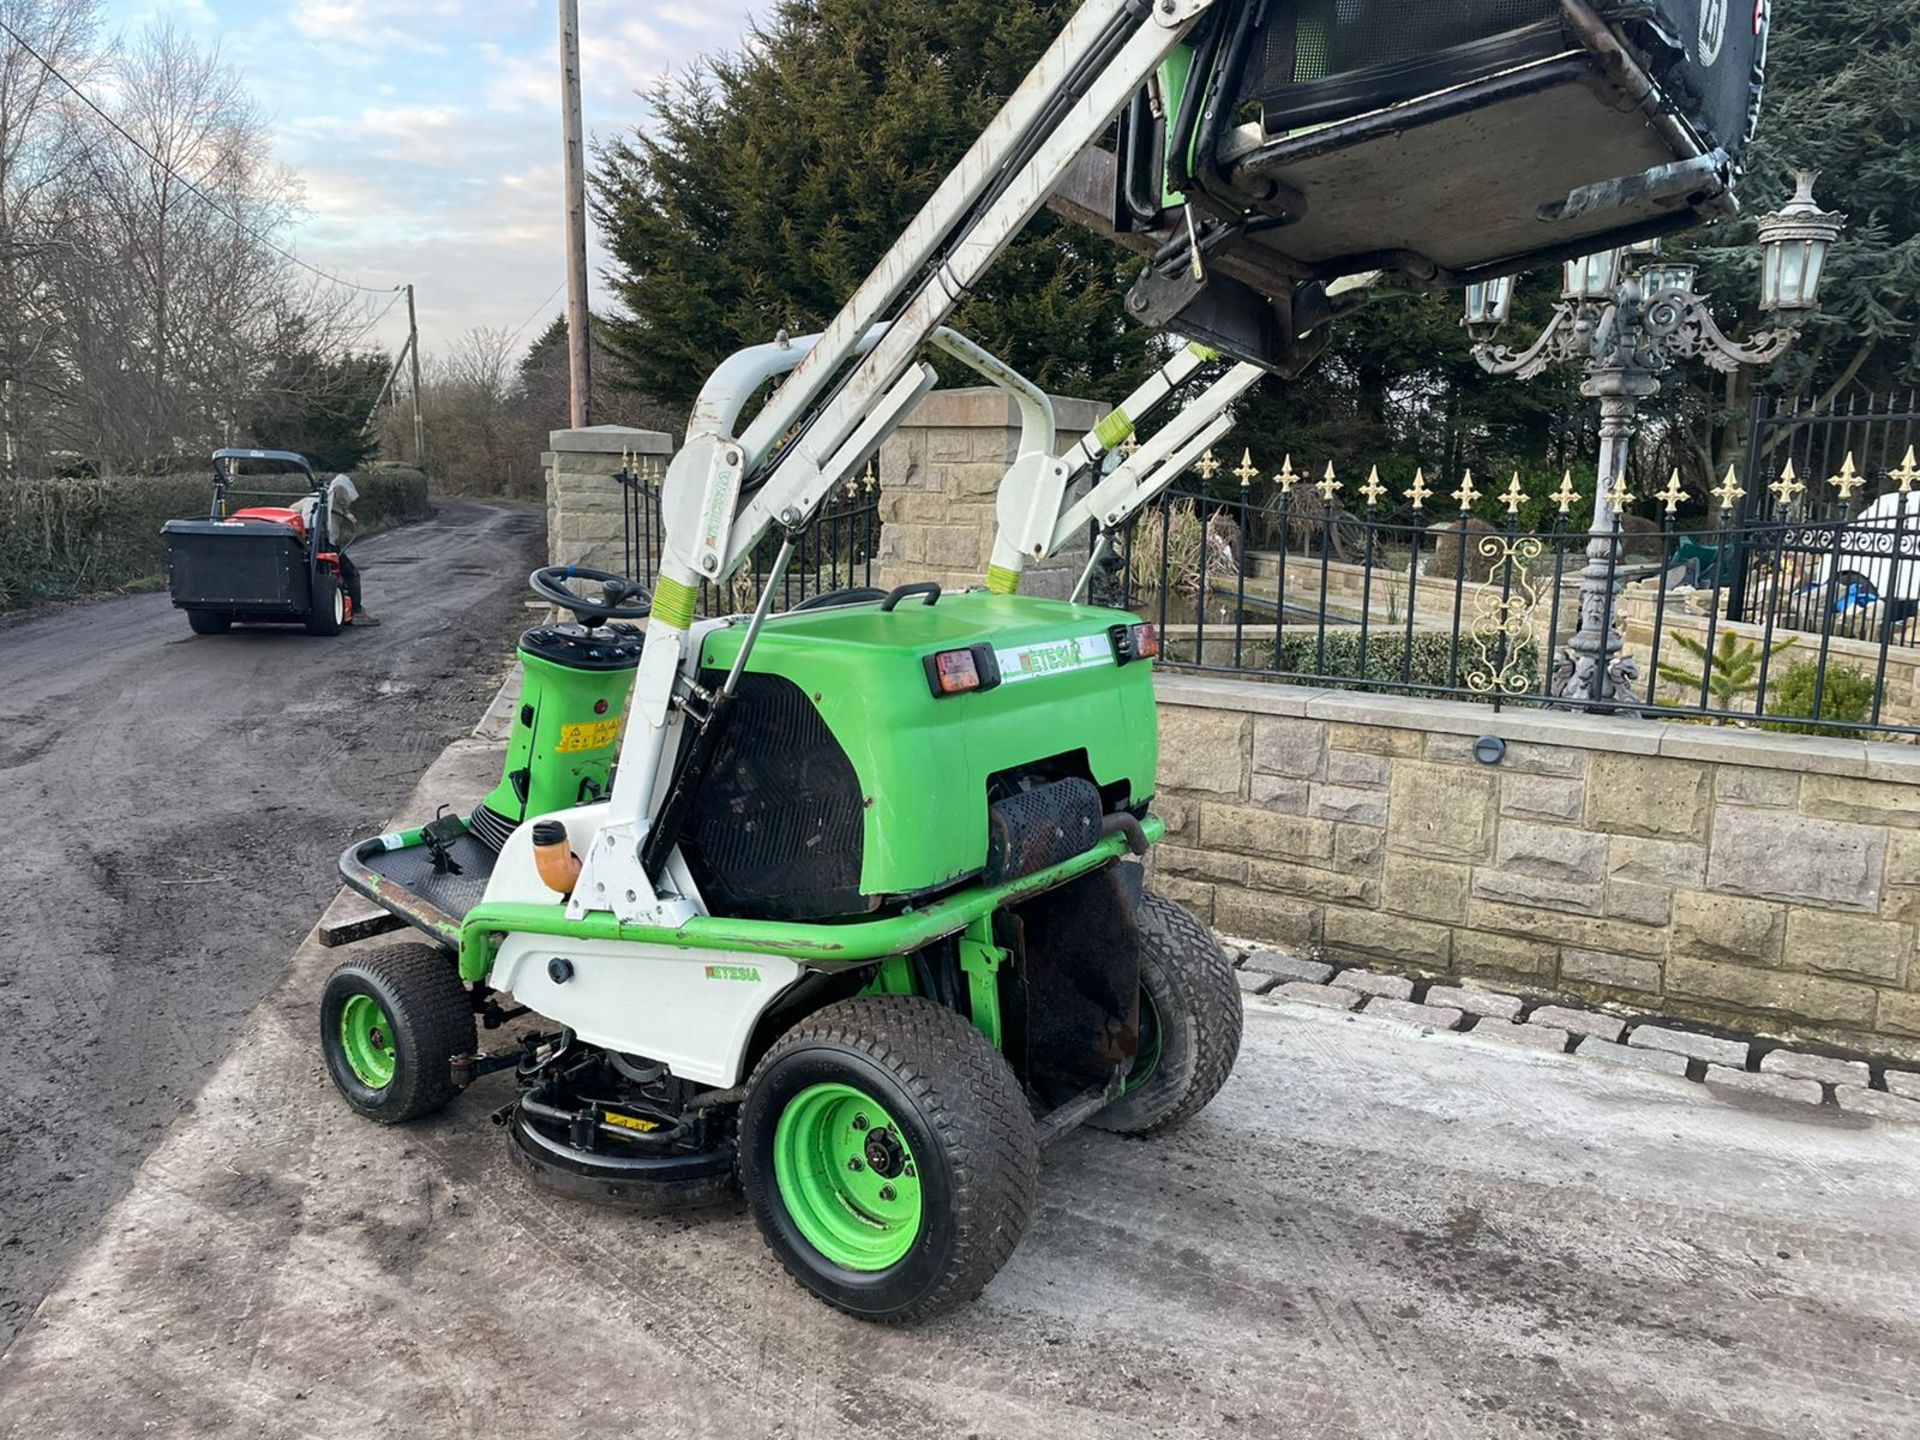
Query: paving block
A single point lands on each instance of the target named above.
(1904, 1082)
(1781, 1087)
(1327, 997)
(1252, 982)
(1438, 1017)
(1374, 982)
(1877, 1103)
(1287, 967)
(1521, 1037)
(1690, 1043)
(1662, 1062)
(1475, 1002)
(1579, 1022)
(1815, 1067)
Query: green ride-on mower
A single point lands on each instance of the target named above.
(857, 921)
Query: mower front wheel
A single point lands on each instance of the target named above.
(1190, 1020)
(390, 1026)
(210, 622)
(888, 1156)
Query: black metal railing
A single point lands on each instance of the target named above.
(835, 551)
(1823, 635)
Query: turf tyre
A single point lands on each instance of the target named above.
(429, 1020)
(328, 614)
(960, 1113)
(210, 622)
(1188, 989)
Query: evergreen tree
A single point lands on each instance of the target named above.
(767, 184)
(318, 406)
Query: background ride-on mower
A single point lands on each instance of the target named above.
(276, 563)
(857, 920)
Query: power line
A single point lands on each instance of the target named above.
(239, 224)
(538, 311)
(399, 291)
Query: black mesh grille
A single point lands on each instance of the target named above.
(778, 826)
(1040, 827)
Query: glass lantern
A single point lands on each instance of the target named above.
(1489, 303)
(1793, 250)
(1592, 277)
(1668, 275)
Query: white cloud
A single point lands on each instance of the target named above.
(427, 132)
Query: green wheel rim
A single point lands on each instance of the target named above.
(847, 1177)
(367, 1036)
(1147, 1059)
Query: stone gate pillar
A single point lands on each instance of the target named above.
(583, 500)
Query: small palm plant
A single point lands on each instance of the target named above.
(1729, 671)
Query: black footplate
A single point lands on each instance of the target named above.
(1037, 828)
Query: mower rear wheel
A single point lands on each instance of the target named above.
(1190, 1019)
(390, 1025)
(210, 622)
(888, 1156)
(329, 613)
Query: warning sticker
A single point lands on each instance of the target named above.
(595, 735)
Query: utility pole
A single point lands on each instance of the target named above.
(579, 361)
(413, 352)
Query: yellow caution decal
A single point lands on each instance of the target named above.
(629, 1122)
(594, 735)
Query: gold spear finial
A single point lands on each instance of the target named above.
(1421, 490)
(1673, 494)
(1208, 466)
(1566, 494)
(1373, 489)
(1848, 480)
(1514, 495)
(1908, 473)
(1328, 486)
(1466, 494)
(1729, 491)
(1288, 476)
(1788, 487)
(1248, 471)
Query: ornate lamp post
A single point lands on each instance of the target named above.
(1626, 315)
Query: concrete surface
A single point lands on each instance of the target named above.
(173, 807)
(1371, 1233)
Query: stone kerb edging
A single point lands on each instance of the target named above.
(1747, 1064)
(1765, 750)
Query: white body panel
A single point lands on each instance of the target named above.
(692, 1009)
(1867, 545)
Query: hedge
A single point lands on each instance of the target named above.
(63, 538)
(1389, 671)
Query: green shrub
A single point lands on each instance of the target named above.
(1390, 669)
(1847, 694)
(62, 538)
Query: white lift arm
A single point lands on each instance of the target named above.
(822, 422)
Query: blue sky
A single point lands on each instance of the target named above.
(427, 132)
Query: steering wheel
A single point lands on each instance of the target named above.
(620, 598)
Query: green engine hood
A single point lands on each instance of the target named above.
(923, 762)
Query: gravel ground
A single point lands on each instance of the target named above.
(174, 805)
(1373, 1232)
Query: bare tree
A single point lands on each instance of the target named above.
(41, 139)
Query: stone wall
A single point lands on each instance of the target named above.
(583, 501)
(1762, 882)
(939, 474)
